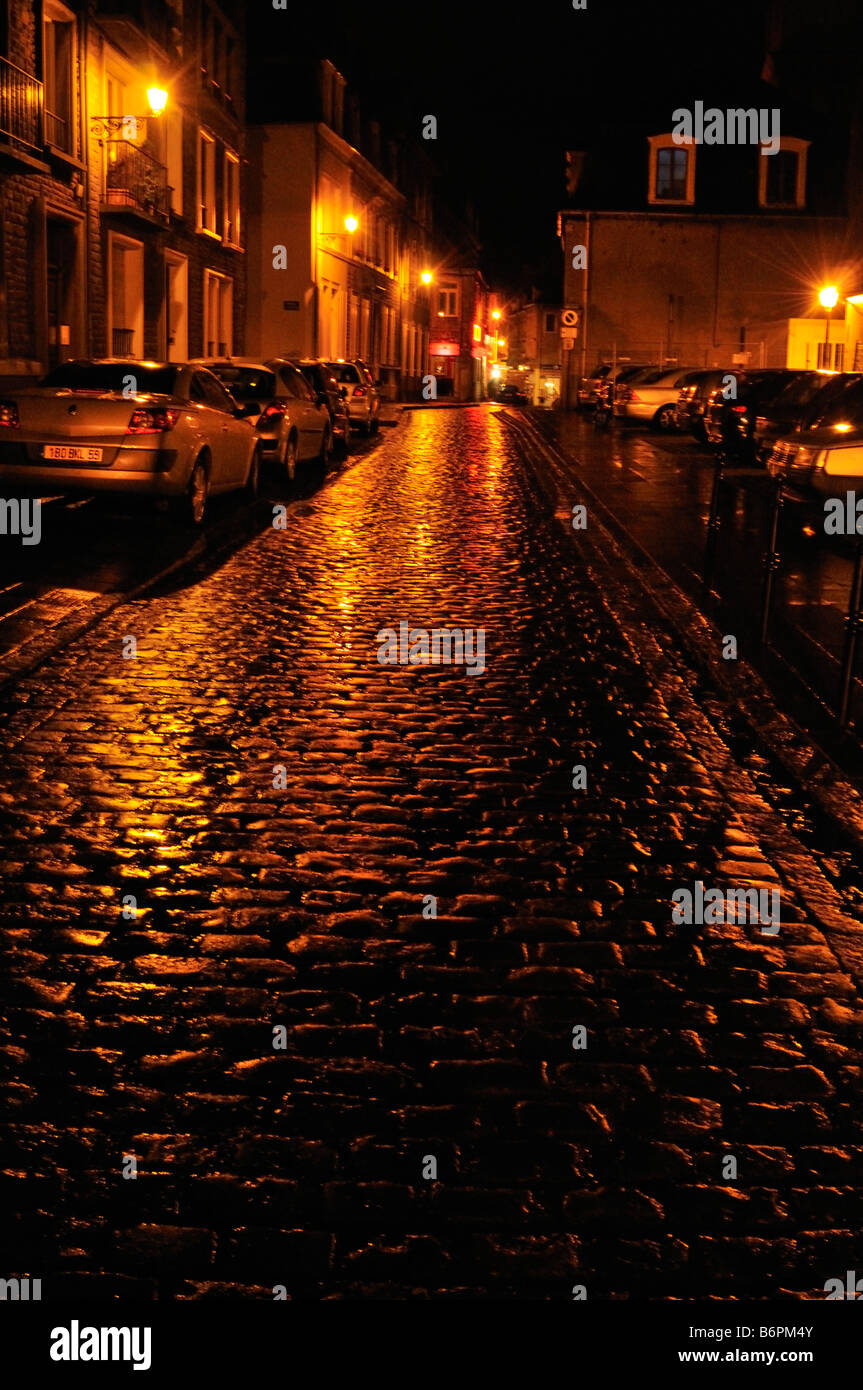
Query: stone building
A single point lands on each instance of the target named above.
(339, 231)
(123, 223)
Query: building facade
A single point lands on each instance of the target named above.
(706, 253)
(122, 186)
(533, 349)
(340, 237)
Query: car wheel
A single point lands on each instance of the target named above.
(664, 418)
(288, 459)
(194, 503)
(699, 431)
(253, 480)
(374, 426)
(326, 448)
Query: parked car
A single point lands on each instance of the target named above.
(615, 378)
(790, 410)
(292, 426)
(651, 396)
(164, 430)
(512, 395)
(323, 383)
(358, 388)
(593, 388)
(693, 397)
(826, 457)
(732, 408)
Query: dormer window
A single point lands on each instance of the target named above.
(782, 176)
(671, 171)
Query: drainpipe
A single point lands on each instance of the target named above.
(585, 305)
(316, 302)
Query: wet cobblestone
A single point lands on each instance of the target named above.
(408, 1037)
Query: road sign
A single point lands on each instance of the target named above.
(568, 336)
(569, 318)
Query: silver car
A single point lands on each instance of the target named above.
(651, 396)
(293, 422)
(165, 430)
(357, 386)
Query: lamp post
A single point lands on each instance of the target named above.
(828, 299)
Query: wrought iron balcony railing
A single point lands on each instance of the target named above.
(135, 180)
(21, 106)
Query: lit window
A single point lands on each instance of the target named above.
(58, 62)
(218, 314)
(671, 177)
(206, 183)
(447, 300)
(232, 199)
(782, 176)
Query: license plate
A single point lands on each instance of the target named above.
(72, 453)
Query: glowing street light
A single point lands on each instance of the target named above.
(351, 224)
(158, 99)
(426, 277)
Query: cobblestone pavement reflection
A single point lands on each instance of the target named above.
(408, 1037)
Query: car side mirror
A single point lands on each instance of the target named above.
(322, 398)
(246, 409)
(343, 392)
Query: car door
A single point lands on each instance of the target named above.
(234, 435)
(310, 417)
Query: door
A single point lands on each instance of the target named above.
(310, 418)
(175, 308)
(230, 439)
(61, 290)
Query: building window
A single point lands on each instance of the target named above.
(447, 300)
(782, 176)
(551, 323)
(831, 357)
(232, 200)
(218, 314)
(58, 37)
(671, 173)
(206, 183)
(174, 156)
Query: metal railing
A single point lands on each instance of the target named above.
(134, 179)
(21, 105)
(58, 132)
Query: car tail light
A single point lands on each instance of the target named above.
(153, 420)
(9, 415)
(739, 409)
(359, 391)
(274, 411)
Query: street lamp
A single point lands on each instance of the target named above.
(126, 127)
(495, 313)
(426, 277)
(828, 299)
(351, 224)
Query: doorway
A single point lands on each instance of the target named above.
(62, 248)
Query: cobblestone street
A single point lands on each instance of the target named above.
(281, 808)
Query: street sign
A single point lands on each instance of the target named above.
(569, 318)
(568, 336)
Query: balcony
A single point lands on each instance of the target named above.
(20, 107)
(135, 182)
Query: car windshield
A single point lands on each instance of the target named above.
(802, 390)
(830, 409)
(344, 372)
(113, 376)
(247, 383)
